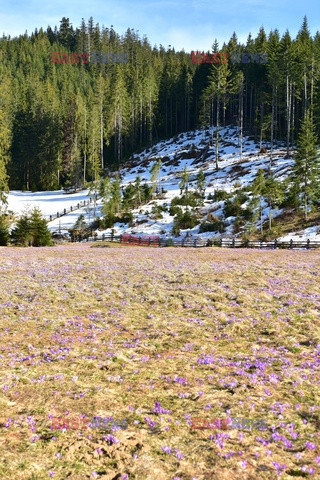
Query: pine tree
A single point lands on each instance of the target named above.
(32, 230)
(21, 234)
(79, 229)
(4, 149)
(155, 172)
(4, 230)
(305, 172)
(184, 184)
(201, 184)
(41, 236)
(258, 190)
(274, 194)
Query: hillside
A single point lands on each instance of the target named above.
(190, 150)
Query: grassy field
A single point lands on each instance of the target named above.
(159, 336)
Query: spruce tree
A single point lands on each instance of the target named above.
(41, 236)
(155, 174)
(4, 230)
(21, 234)
(258, 190)
(4, 147)
(305, 172)
(201, 184)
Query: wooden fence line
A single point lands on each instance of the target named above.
(65, 211)
(146, 240)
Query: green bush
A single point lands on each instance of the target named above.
(175, 229)
(238, 224)
(32, 230)
(175, 210)
(156, 211)
(126, 217)
(108, 220)
(191, 200)
(4, 230)
(186, 220)
(233, 207)
(219, 195)
(215, 226)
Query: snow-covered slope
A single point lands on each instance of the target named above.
(189, 149)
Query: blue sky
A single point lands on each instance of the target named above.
(188, 25)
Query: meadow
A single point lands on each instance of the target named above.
(159, 336)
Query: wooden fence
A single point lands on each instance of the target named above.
(156, 241)
(65, 211)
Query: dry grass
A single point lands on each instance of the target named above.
(207, 333)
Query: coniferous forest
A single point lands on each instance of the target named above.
(64, 124)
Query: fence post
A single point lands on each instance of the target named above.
(182, 242)
(220, 241)
(195, 243)
(71, 208)
(103, 237)
(291, 243)
(50, 218)
(112, 234)
(308, 243)
(78, 205)
(275, 243)
(64, 211)
(57, 214)
(260, 243)
(120, 238)
(233, 242)
(149, 242)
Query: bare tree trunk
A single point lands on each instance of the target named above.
(241, 119)
(293, 103)
(289, 98)
(217, 132)
(261, 127)
(305, 196)
(270, 215)
(272, 128)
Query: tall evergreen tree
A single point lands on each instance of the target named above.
(306, 171)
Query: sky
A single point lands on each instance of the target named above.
(189, 25)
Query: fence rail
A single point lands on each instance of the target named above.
(65, 211)
(147, 240)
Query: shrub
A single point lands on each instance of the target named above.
(108, 220)
(175, 210)
(156, 211)
(190, 200)
(4, 230)
(41, 235)
(214, 226)
(127, 217)
(175, 229)
(219, 195)
(238, 224)
(32, 230)
(233, 207)
(186, 220)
